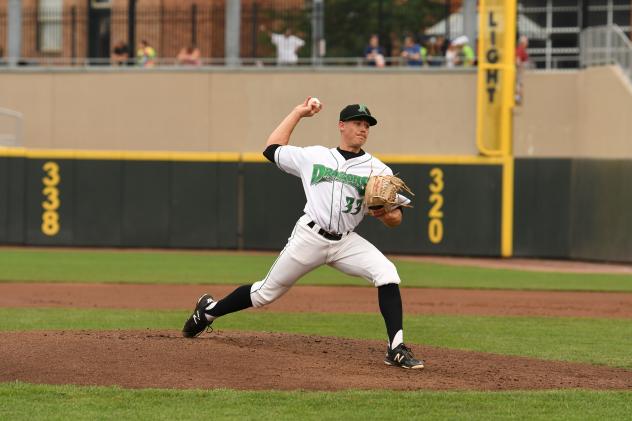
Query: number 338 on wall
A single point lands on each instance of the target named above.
(51, 203)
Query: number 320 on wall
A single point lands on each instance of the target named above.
(435, 215)
(50, 216)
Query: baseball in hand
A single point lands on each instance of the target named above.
(314, 102)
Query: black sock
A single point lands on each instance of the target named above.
(237, 300)
(391, 307)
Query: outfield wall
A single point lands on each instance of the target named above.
(461, 218)
(573, 208)
(115, 203)
(229, 202)
(561, 208)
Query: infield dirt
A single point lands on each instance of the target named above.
(325, 299)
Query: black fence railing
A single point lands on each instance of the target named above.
(79, 32)
(3, 32)
(80, 35)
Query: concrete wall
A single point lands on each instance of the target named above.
(604, 115)
(421, 113)
(585, 113)
(546, 123)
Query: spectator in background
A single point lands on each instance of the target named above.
(522, 63)
(374, 53)
(465, 52)
(395, 45)
(452, 55)
(412, 52)
(522, 56)
(145, 55)
(443, 43)
(287, 45)
(189, 56)
(120, 54)
(434, 53)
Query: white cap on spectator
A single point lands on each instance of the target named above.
(462, 40)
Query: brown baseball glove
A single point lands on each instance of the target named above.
(381, 191)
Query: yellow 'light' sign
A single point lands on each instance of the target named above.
(496, 76)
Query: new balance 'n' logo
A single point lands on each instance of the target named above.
(398, 358)
(196, 317)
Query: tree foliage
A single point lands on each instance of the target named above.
(350, 23)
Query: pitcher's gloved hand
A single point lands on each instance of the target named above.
(381, 193)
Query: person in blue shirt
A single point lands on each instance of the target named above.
(412, 52)
(374, 53)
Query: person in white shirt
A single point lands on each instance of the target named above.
(287, 46)
(451, 55)
(334, 181)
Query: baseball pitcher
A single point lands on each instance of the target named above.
(341, 185)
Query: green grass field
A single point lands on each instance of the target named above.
(89, 403)
(595, 341)
(225, 268)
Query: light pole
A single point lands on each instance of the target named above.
(14, 32)
(318, 32)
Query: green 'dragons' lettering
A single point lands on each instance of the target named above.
(323, 174)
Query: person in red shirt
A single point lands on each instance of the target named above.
(522, 62)
(522, 56)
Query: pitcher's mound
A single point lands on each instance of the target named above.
(244, 360)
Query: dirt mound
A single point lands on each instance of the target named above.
(242, 360)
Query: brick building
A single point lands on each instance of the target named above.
(63, 29)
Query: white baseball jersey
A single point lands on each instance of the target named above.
(334, 186)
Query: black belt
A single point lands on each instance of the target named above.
(327, 235)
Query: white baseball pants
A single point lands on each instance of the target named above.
(306, 250)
